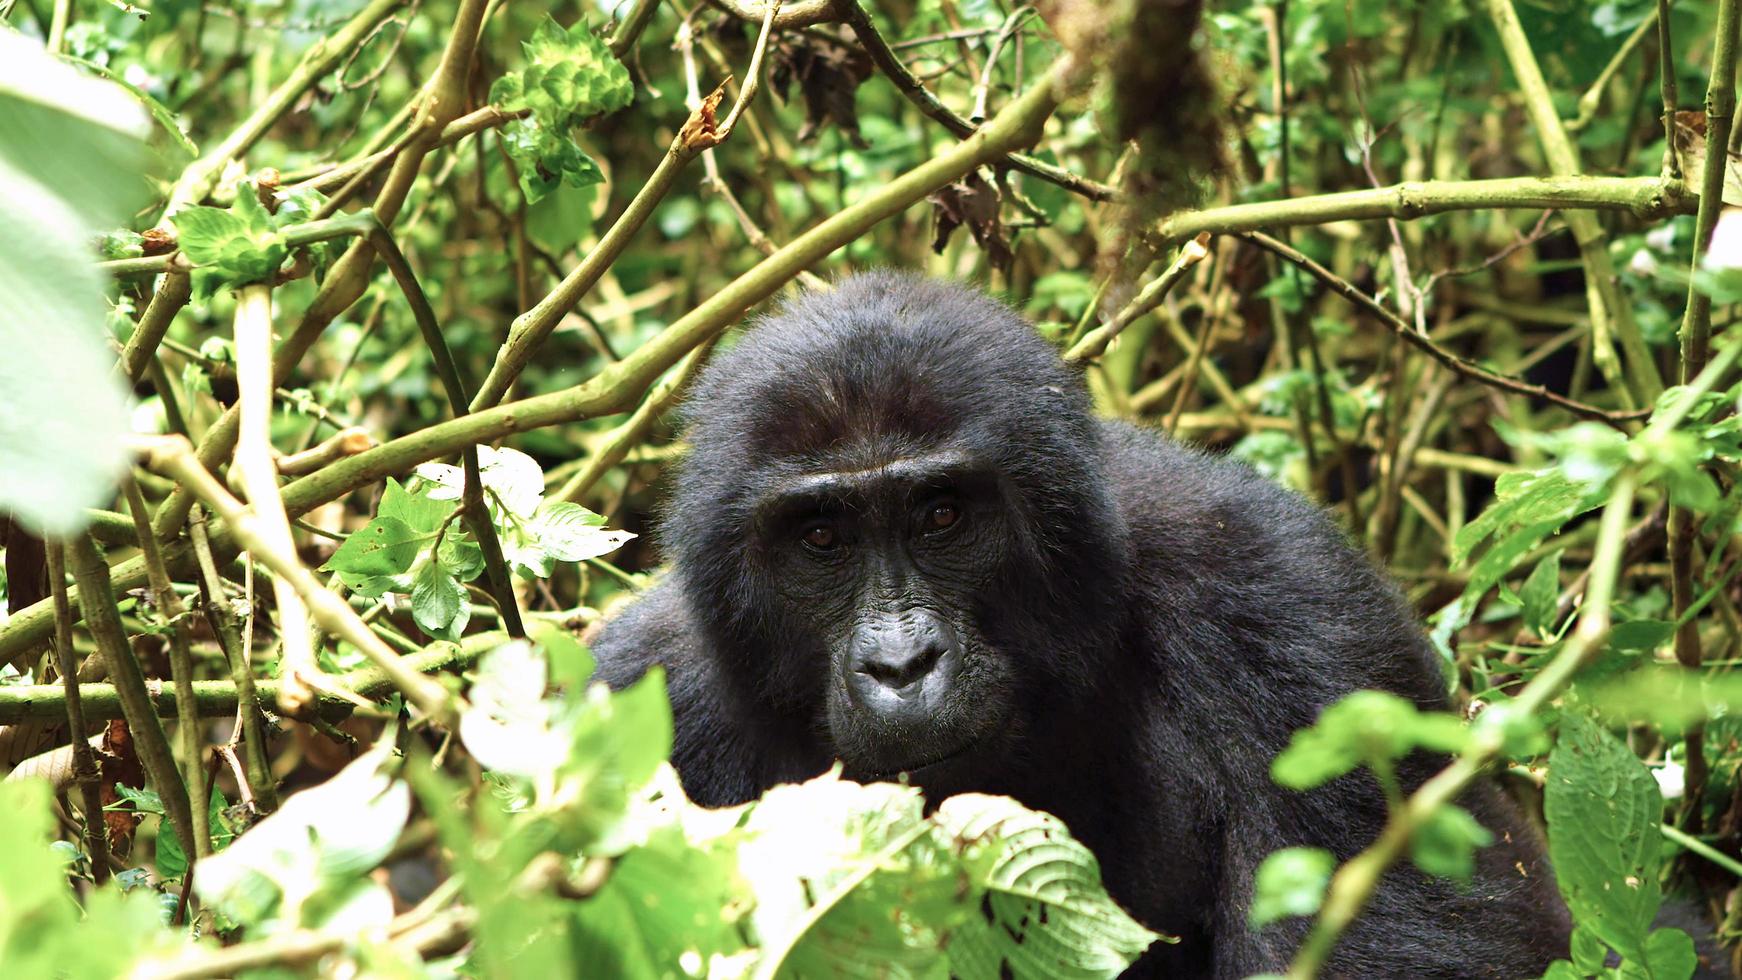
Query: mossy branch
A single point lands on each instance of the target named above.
(1647, 197)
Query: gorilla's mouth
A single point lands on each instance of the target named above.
(920, 768)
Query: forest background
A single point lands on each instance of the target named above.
(422, 281)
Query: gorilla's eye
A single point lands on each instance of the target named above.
(821, 537)
(942, 515)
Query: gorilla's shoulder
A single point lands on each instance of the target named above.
(655, 628)
(1217, 547)
(1182, 497)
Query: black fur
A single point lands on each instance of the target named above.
(1142, 628)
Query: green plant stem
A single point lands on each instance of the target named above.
(181, 667)
(1592, 100)
(1643, 196)
(1095, 342)
(85, 770)
(215, 699)
(171, 295)
(174, 458)
(1672, 168)
(1703, 849)
(477, 516)
(1696, 328)
(1696, 338)
(135, 701)
(630, 27)
(258, 476)
(59, 17)
(316, 63)
(1611, 312)
(632, 432)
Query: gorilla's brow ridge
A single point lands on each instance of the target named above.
(914, 468)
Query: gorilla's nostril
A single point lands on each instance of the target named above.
(899, 668)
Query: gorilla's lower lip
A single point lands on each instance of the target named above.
(917, 767)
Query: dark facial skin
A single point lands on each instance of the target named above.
(887, 566)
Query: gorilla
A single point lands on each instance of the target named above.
(902, 541)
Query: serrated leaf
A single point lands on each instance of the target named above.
(1604, 810)
(384, 546)
(202, 232)
(570, 532)
(1049, 914)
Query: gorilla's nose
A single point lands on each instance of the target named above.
(902, 658)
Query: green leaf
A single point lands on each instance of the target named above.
(1044, 911)
(384, 546)
(1589, 953)
(1541, 594)
(1604, 810)
(570, 532)
(509, 725)
(1522, 499)
(1445, 845)
(571, 77)
(71, 155)
(1363, 728)
(845, 875)
(667, 900)
(1640, 635)
(1671, 954)
(237, 246)
(436, 598)
(297, 864)
(1291, 882)
(419, 511)
(172, 856)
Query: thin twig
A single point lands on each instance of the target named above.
(1398, 325)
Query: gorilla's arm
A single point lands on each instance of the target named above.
(1261, 615)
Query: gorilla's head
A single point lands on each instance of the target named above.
(894, 525)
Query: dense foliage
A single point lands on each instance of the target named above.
(422, 281)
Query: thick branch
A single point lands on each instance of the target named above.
(1643, 196)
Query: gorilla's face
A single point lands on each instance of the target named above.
(886, 574)
(895, 530)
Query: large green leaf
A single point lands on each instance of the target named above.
(1044, 912)
(70, 163)
(1604, 810)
